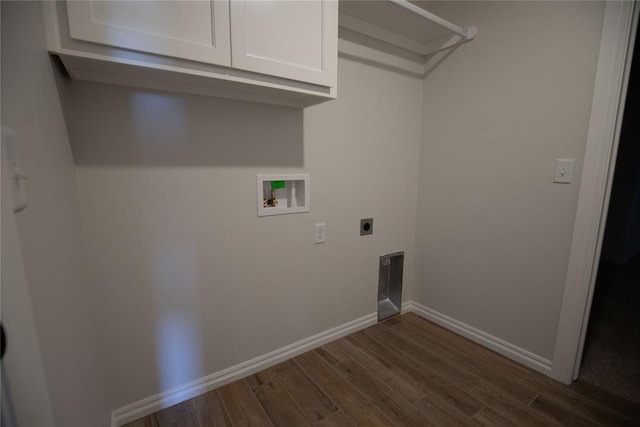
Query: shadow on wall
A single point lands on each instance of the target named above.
(126, 127)
(622, 233)
(115, 125)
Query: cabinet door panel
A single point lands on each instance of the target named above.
(194, 30)
(291, 39)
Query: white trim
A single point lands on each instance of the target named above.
(210, 382)
(449, 43)
(385, 31)
(355, 51)
(431, 17)
(359, 26)
(407, 307)
(205, 384)
(378, 58)
(604, 130)
(51, 27)
(489, 341)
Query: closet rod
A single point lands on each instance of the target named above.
(431, 17)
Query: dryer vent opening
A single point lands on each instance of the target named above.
(390, 285)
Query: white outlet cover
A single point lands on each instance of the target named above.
(18, 185)
(564, 171)
(319, 233)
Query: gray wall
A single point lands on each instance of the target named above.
(493, 231)
(50, 232)
(187, 279)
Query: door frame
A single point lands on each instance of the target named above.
(612, 78)
(24, 393)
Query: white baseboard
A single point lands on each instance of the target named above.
(498, 345)
(210, 382)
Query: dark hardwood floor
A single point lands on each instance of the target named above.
(405, 371)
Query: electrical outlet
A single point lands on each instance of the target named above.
(319, 234)
(366, 226)
(564, 171)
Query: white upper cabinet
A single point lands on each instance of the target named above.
(292, 39)
(275, 51)
(194, 30)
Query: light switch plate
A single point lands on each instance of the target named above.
(564, 171)
(319, 233)
(11, 151)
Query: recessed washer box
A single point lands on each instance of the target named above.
(279, 194)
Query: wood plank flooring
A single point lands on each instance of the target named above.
(405, 371)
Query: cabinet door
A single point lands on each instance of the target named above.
(194, 30)
(291, 39)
